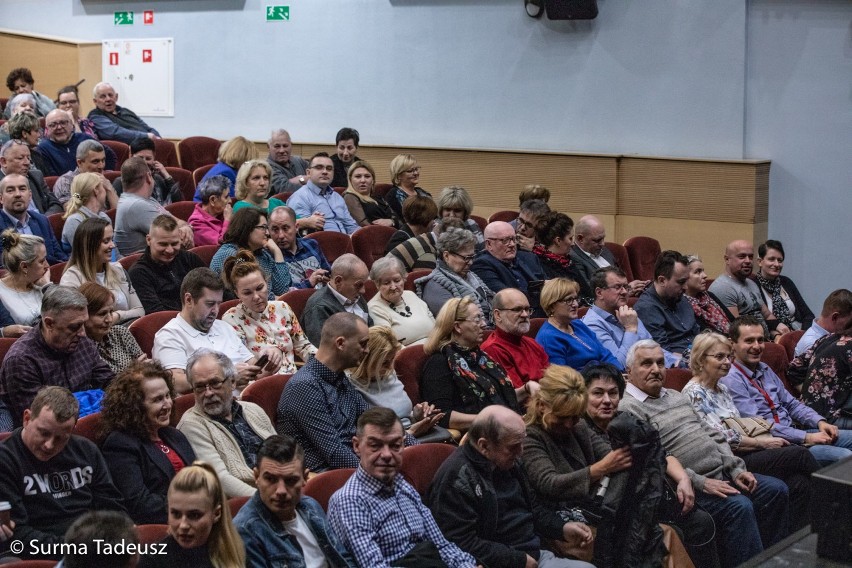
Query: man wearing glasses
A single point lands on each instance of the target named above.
(59, 148)
(224, 432)
(523, 359)
(317, 196)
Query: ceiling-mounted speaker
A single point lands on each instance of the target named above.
(571, 9)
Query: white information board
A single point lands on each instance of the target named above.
(142, 72)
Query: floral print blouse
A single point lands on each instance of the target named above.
(277, 326)
(713, 406)
(827, 370)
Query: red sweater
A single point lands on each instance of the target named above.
(523, 358)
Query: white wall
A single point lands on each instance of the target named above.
(730, 79)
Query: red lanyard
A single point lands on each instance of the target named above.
(749, 375)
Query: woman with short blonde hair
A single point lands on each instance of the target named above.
(405, 172)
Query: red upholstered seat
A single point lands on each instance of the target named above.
(127, 261)
(481, 221)
(297, 299)
(197, 151)
(789, 340)
(181, 209)
(413, 276)
(333, 244)
(166, 153)
(182, 403)
(643, 253)
(419, 463)
(621, 258)
(199, 172)
(149, 534)
(89, 426)
(505, 216)
(677, 378)
(322, 486)
(370, 242)
(205, 252)
(184, 178)
(408, 365)
(266, 393)
(145, 328)
(122, 152)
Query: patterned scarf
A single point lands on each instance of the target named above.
(709, 312)
(779, 304)
(486, 381)
(558, 260)
(472, 286)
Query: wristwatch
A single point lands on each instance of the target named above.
(302, 180)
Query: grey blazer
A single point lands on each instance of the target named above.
(585, 267)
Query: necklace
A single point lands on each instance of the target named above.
(571, 333)
(405, 314)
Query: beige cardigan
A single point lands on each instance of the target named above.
(74, 278)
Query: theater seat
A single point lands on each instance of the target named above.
(199, 172)
(56, 223)
(789, 340)
(413, 276)
(150, 534)
(643, 253)
(6, 344)
(677, 378)
(50, 181)
(145, 328)
(122, 152)
(166, 153)
(322, 486)
(419, 463)
(182, 403)
(197, 151)
(205, 252)
(408, 365)
(181, 209)
(56, 271)
(535, 326)
(184, 179)
(481, 221)
(266, 393)
(297, 299)
(506, 216)
(227, 305)
(333, 244)
(621, 259)
(236, 503)
(128, 261)
(89, 427)
(370, 242)
(381, 189)
(775, 356)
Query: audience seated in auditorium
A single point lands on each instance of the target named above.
(249, 230)
(304, 257)
(59, 148)
(232, 154)
(224, 432)
(15, 197)
(21, 288)
(289, 172)
(418, 214)
(116, 345)
(113, 122)
(521, 357)
(159, 272)
(455, 203)
(564, 336)
(780, 294)
(709, 311)
(347, 141)
(319, 407)
(555, 237)
(616, 325)
(767, 454)
(68, 99)
(15, 158)
(101, 538)
(55, 352)
(89, 192)
(739, 293)
(452, 276)
(253, 187)
(91, 158)
(589, 253)
(166, 188)
(751, 510)
(137, 209)
(459, 377)
(260, 323)
(279, 525)
(365, 207)
(835, 316)
(344, 292)
(404, 171)
(196, 326)
(667, 315)
(211, 216)
(317, 196)
(420, 252)
(758, 391)
(18, 104)
(481, 500)
(532, 215)
(91, 253)
(201, 532)
(143, 452)
(20, 81)
(51, 477)
(377, 514)
(401, 310)
(24, 128)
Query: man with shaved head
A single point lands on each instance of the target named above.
(739, 293)
(59, 147)
(344, 292)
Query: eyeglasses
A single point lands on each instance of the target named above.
(478, 319)
(569, 300)
(518, 310)
(502, 241)
(616, 287)
(721, 356)
(59, 123)
(523, 222)
(212, 385)
(466, 258)
(264, 228)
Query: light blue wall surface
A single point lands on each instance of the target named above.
(728, 79)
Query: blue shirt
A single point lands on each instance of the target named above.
(381, 522)
(576, 350)
(615, 338)
(308, 256)
(310, 198)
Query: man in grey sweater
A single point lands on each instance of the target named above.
(750, 510)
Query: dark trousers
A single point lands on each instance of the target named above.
(793, 465)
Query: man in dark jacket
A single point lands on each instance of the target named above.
(466, 490)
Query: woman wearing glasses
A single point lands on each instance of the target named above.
(452, 277)
(711, 360)
(565, 338)
(249, 230)
(395, 307)
(459, 377)
(405, 172)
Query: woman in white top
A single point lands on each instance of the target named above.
(25, 258)
(90, 262)
(88, 199)
(402, 310)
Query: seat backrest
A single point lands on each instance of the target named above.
(643, 253)
(128, 261)
(370, 290)
(112, 175)
(621, 259)
(333, 244)
(227, 305)
(266, 393)
(297, 299)
(122, 151)
(205, 252)
(775, 356)
(181, 209)
(370, 242)
(199, 173)
(322, 486)
(197, 151)
(184, 178)
(6, 344)
(535, 326)
(50, 181)
(413, 276)
(506, 216)
(89, 426)
(236, 503)
(32, 564)
(283, 196)
(182, 403)
(111, 214)
(481, 221)
(145, 328)
(408, 365)
(56, 223)
(150, 534)
(166, 153)
(56, 271)
(419, 463)
(381, 189)
(789, 340)
(677, 378)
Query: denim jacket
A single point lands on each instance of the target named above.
(269, 545)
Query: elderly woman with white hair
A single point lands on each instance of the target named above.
(401, 310)
(210, 219)
(16, 105)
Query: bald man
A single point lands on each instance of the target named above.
(59, 147)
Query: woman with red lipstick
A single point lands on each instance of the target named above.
(364, 208)
(142, 450)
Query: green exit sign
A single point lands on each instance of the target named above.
(123, 18)
(277, 13)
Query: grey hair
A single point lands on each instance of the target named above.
(18, 99)
(488, 427)
(229, 371)
(60, 298)
(346, 264)
(283, 209)
(211, 186)
(641, 344)
(19, 248)
(690, 258)
(278, 132)
(8, 145)
(451, 240)
(535, 207)
(87, 146)
(384, 265)
(98, 86)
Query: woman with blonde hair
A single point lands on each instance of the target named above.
(364, 208)
(201, 533)
(232, 154)
(88, 199)
(405, 172)
(253, 187)
(25, 259)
